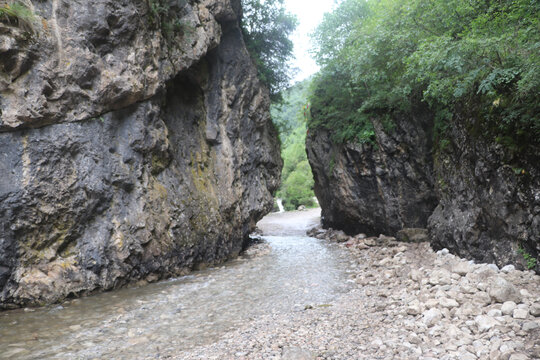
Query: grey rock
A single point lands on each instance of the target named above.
(508, 269)
(448, 303)
(530, 325)
(431, 317)
(501, 291)
(508, 307)
(485, 209)
(520, 313)
(494, 313)
(535, 309)
(462, 268)
(485, 323)
(375, 190)
(119, 176)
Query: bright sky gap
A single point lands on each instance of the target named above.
(310, 13)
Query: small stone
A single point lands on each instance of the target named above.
(530, 325)
(414, 308)
(414, 339)
(520, 314)
(443, 252)
(415, 275)
(508, 308)
(462, 268)
(493, 267)
(485, 323)
(431, 317)
(501, 290)
(494, 313)
(482, 298)
(467, 356)
(448, 303)
(431, 303)
(508, 269)
(535, 309)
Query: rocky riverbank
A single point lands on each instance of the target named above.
(405, 302)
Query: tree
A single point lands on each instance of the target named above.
(266, 26)
(474, 59)
(297, 184)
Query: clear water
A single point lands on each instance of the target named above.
(182, 313)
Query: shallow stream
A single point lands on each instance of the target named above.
(179, 314)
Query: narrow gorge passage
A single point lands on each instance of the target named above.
(287, 273)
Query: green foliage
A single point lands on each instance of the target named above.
(266, 26)
(163, 16)
(529, 259)
(477, 59)
(289, 116)
(18, 14)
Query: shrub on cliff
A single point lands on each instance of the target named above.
(478, 59)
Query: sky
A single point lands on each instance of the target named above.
(310, 14)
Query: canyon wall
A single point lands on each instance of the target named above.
(135, 144)
(474, 196)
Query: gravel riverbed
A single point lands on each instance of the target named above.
(405, 302)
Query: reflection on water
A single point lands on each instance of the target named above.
(180, 313)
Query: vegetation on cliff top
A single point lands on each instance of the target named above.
(477, 59)
(290, 118)
(266, 26)
(16, 13)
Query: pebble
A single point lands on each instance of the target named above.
(485, 323)
(530, 325)
(508, 308)
(535, 310)
(431, 316)
(508, 269)
(500, 291)
(418, 305)
(520, 314)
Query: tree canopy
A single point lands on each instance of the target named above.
(290, 118)
(381, 57)
(266, 26)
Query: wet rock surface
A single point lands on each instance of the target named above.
(161, 161)
(405, 302)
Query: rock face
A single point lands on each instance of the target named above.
(474, 197)
(374, 190)
(487, 209)
(128, 151)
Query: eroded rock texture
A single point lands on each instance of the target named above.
(129, 151)
(476, 199)
(375, 189)
(489, 205)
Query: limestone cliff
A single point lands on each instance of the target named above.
(135, 144)
(375, 189)
(473, 196)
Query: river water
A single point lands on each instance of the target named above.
(179, 314)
